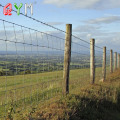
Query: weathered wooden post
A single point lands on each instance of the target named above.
(111, 61)
(115, 60)
(67, 58)
(118, 61)
(92, 61)
(104, 64)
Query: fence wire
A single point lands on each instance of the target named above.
(31, 67)
(31, 64)
(80, 64)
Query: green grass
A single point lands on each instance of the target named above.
(22, 91)
(91, 102)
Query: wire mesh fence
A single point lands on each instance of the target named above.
(31, 67)
(80, 64)
(98, 63)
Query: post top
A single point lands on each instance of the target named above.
(69, 24)
(92, 39)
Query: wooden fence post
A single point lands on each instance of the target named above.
(67, 58)
(92, 61)
(111, 61)
(104, 64)
(115, 60)
(118, 61)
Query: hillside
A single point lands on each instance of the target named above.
(93, 102)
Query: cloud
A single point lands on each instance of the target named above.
(54, 23)
(90, 31)
(111, 42)
(85, 4)
(102, 37)
(86, 28)
(104, 20)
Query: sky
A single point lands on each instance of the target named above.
(99, 19)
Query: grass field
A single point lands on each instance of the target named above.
(22, 91)
(100, 101)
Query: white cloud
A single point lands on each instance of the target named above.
(105, 20)
(89, 36)
(102, 37)
(86, 28)
(85, 4)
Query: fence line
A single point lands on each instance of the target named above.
(37, 66)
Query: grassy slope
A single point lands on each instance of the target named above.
(93, 102)
(29, 90)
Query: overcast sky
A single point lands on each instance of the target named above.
(99, 19)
